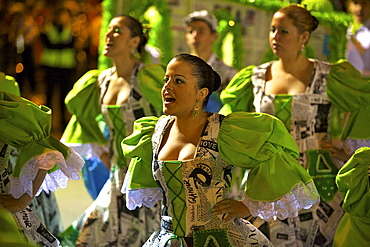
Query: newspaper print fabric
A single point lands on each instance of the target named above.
(107, 222)
(191, 188)
(306, 116)
(28, 221)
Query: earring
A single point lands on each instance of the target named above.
(196, 110)
(302, 48)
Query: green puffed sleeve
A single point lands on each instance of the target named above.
(8, 84)
(83, 103)
(139, 185)
(27, 127)
(350, 92)
(138, 147)
(151, 82)
(238, 94)
(261, 144)
(353, 183)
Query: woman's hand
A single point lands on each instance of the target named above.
(14, 205)
(230, 209)
(335, 152)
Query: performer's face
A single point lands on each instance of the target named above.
(180, 91)
(285, 39)
(360, 9)
(118, 40)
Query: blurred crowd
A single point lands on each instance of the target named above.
(47, 45)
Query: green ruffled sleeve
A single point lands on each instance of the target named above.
(8, 84)
(26, 126)
(83, 103)
(353, 183)
(138, 147)
(261, 144)
(238, 94)
(151, 83)
(139, 184)
(350, 92)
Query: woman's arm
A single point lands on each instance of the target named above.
(15, 205)
(231, 209)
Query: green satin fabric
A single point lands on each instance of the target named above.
(347, 90)
(83, 102)
(26, 126)
(254, 141)
(354, 185)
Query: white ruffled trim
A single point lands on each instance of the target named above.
(68, 169)
(139, 197)
(302, 196)
(88, 150)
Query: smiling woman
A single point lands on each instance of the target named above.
(186, 159)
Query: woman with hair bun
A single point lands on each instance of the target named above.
(186, 159)
(324, 106)
(109, 101)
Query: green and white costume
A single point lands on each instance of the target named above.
(318, 113)
(108, 220)
(26, 127)
(277, 186)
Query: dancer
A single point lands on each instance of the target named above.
(186, 159)
(113, 99)
(43, 163)
(321, 104)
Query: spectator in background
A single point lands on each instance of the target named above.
(358, 45)
(58, 60)
(201, 33)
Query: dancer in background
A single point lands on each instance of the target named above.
(324, 106)
(112, 100)
(186, 159)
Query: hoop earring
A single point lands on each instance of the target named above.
(196, 110)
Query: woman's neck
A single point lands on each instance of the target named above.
(124, 67)
(188, 123)
(294, 65)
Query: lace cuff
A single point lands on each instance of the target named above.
(68, 169)
(302, 196)
(88, 150)
(139, 197)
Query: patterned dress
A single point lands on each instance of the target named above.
(189, 189)
(107, 221)
(25, 128)
(311, 116)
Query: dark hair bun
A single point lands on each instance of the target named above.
(315, 23)
(217, 81)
